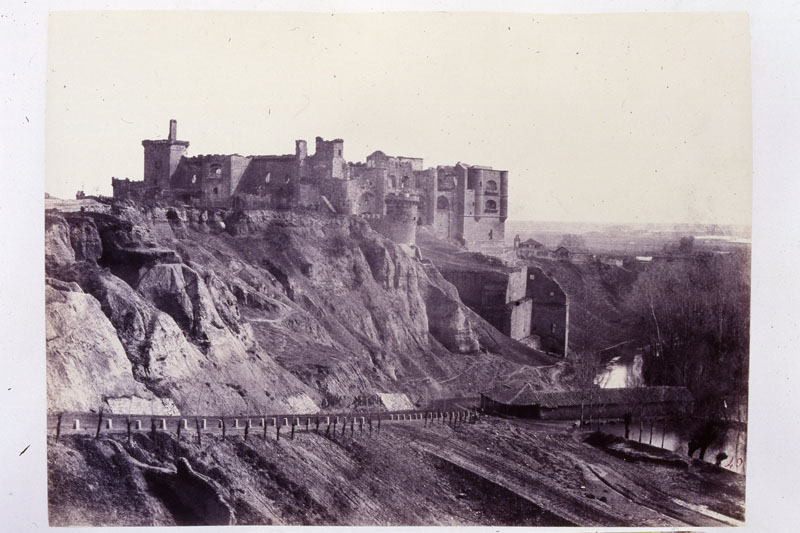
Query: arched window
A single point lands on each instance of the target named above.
(442, 203)
(215, 171)
(491, 186)
(491, 205)
(405, 183)
(268, 177)
(216, 190)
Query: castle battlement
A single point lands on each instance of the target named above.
(463, 203)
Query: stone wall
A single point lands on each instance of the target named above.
(497, 296)
(125, 188)
(484, 234)
(400, 222)
(517, 284)
(268, 175)
(512, 319)
(364, 193)
(550, 320)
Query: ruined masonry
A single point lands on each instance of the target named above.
(462, 203)
(466, 204)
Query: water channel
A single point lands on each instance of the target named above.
(625, 370)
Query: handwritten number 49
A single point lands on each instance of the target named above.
(738, 461)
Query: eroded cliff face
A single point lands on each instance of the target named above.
(164, 310)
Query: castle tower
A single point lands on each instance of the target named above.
(329, 157)
(161, 158)
(503, 195)
(400, 222)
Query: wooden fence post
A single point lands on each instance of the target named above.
(58, 425)
(128, 429)
(223, 428)
(197, 425)
(99, 423)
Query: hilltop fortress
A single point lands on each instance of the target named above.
(467, 204)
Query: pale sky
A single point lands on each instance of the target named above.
(604, 118)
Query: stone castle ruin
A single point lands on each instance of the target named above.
(465, 204)
(461, 203)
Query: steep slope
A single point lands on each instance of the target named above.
(496, 472)
(231, 312)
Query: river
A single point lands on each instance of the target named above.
(626, 369)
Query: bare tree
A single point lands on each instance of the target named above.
(587, 366)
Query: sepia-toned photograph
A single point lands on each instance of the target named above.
(397, 269)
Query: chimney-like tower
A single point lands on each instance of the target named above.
(161, 158)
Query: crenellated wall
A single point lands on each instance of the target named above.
(462, 203)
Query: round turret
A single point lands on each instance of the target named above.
(400, 222)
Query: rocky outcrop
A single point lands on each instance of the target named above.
(86, 363)
(449, 322)
(243, 312)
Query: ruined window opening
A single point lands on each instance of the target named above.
(491, 186)
(393, 182)
(216, 191)
(442, 203)
(491, 234)
(288, 178)
(267, 178)
(194, 178)
(491, 205)
(339, 152)
(552, 327)
(404, 183)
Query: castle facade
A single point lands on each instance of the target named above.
(467, 204)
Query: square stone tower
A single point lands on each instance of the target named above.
(161, 158)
